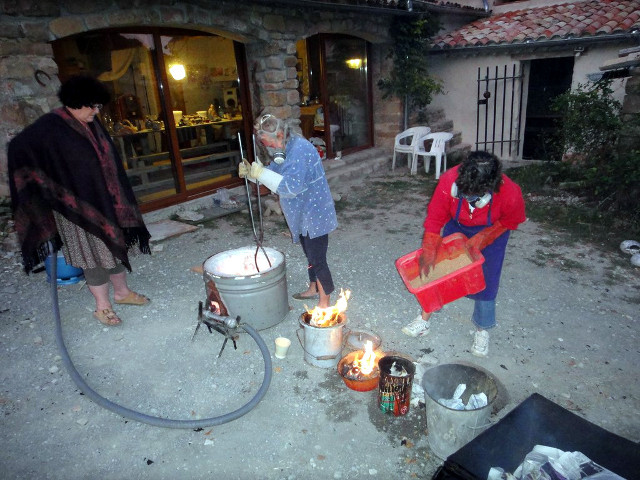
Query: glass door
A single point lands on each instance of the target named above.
(335, 88)
(175, 112)
(347, 96)
(205, 107)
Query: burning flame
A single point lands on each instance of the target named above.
(327, 317)
(214, 306)
(368, 360)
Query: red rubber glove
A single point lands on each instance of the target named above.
(430, 244)
(487, 236)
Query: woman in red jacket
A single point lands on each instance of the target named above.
(474, 198)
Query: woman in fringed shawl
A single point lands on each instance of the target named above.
(69, 190)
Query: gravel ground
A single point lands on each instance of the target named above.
(568, 329)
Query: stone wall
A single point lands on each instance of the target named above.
(28, 73)
(630, 113)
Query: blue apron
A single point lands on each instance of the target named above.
(493, 253)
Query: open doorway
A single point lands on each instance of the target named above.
(548, 78)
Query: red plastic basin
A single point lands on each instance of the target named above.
(464, 281)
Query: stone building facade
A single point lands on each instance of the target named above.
(269, 32)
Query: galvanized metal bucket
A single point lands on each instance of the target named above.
(260, 298)
(451, 429)
(322, 345)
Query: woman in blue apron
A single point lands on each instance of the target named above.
(484, 316)
(477, 200)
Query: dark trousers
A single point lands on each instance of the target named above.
(99, 276)
(315, 249)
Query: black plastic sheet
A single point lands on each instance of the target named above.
(539, 421)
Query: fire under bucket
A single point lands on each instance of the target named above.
(322, 345)
(396, 380)
(450, 429)
(257, 295)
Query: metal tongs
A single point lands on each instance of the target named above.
(258, 235)
(227, 326)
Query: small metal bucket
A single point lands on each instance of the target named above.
(322, 345)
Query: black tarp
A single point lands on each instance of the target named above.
(539, 421)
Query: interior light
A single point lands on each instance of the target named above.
(177, 71)
(354, 62)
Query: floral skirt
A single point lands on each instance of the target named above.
(80, 248)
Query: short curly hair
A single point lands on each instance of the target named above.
(82, 91)
(479, 173)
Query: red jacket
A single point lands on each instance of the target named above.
(507, 205)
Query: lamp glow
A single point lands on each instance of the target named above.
(177, 71)
(354, 62)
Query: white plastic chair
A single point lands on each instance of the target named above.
(408, 142)
(437, 151)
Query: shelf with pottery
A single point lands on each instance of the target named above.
(154, 169)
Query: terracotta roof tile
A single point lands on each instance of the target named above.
(575, 20)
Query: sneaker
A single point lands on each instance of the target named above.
(480, 347)
(417, 328)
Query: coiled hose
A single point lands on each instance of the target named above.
(139, 416)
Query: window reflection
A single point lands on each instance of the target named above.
(184, 139)
(346, 66)
(339, 97)
(205, 107)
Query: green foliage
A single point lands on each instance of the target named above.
(578, 212)
(618, 181)
(409, 79)
(590, 123)
(588, 139)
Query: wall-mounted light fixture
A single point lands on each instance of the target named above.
(354, 62)
(177, 71)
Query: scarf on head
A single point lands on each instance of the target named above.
(61, 164)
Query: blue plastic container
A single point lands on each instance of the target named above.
(66, 274)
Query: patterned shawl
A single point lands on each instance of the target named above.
(59, 163)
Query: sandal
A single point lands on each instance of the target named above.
(133, 299)
(299, 296)
(107, 317)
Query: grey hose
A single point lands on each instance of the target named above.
(138, 416)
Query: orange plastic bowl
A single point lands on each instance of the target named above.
(357, 385)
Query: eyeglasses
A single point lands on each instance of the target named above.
(94, 106)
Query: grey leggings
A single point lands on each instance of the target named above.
(99, 276)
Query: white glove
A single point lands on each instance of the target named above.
(243, 168)
(256, 170)
(268, 178)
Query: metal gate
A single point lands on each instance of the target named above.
(498, 116)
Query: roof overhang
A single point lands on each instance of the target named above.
(410, 7)
(531, 45)
(338, 7)
(449, 9)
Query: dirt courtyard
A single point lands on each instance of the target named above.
(568, 326)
